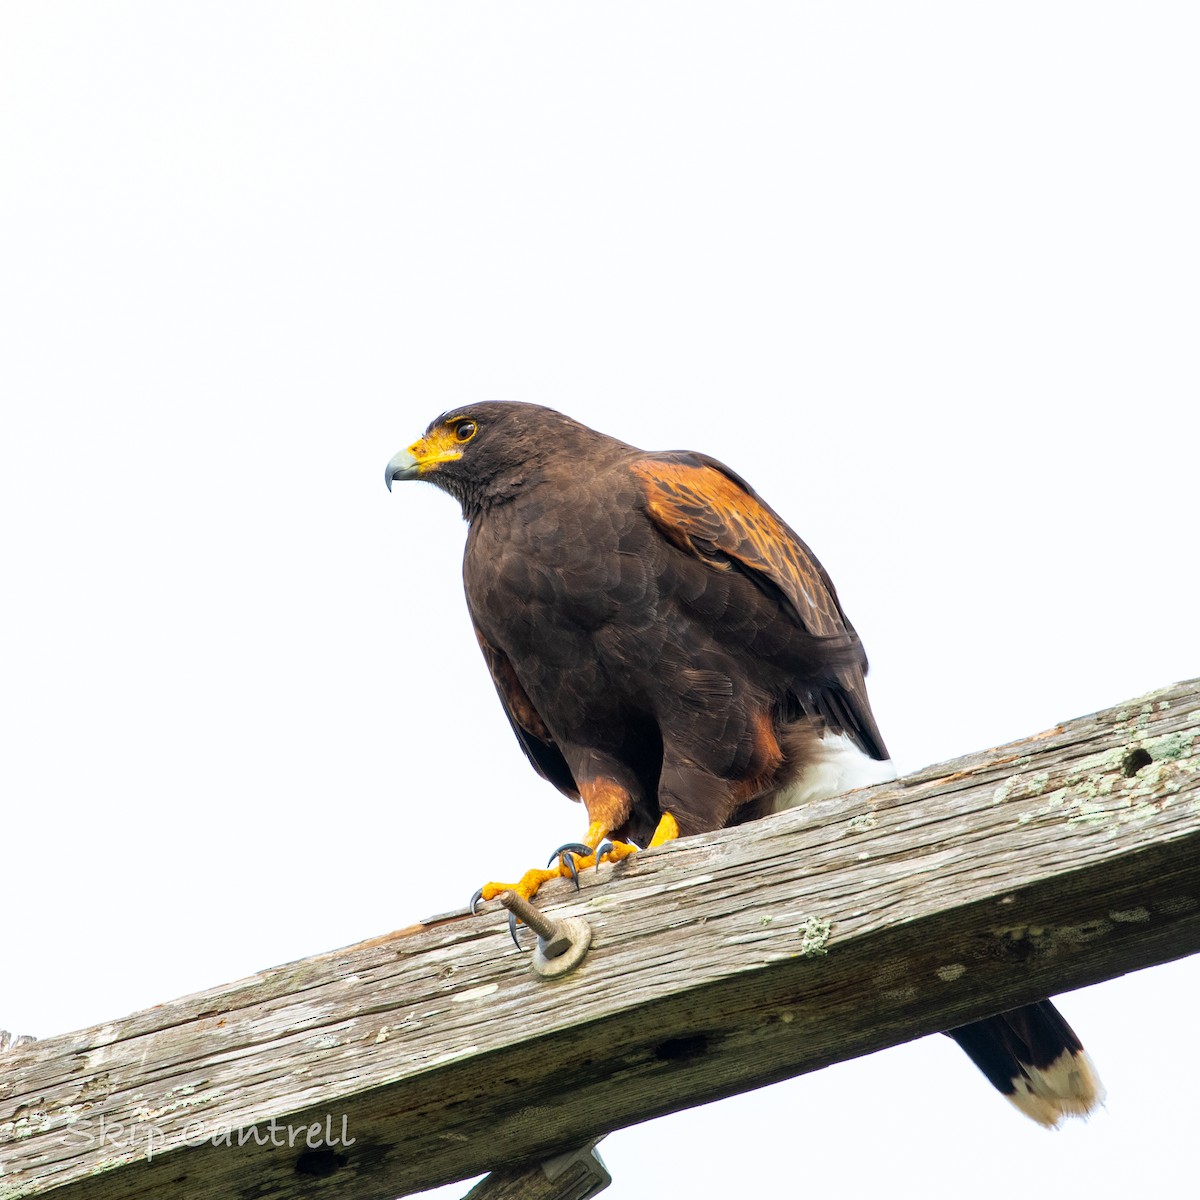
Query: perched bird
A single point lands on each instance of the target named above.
(669, 652)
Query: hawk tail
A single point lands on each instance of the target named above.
(1036, 1060)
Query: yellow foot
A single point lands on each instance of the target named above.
(583, 856)
(593, 850)
(525, 887)
(575, 857)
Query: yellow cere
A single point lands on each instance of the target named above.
(438, 446)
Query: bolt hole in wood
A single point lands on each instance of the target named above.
(681, 1048)
(319, 1163)
(1134, 761)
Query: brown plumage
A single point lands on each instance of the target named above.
(656, 633)
(669, 652)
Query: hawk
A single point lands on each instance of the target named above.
(670, 653)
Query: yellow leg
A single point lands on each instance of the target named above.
(667, 831)
(598, 832)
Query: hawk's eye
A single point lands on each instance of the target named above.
(464, 430)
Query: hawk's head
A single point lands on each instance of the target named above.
(484, 453)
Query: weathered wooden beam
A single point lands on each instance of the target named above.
(718, 964)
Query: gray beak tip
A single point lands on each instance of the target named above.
(401, 466)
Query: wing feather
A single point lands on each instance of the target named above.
(709, 511)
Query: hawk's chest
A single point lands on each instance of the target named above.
(552, 565)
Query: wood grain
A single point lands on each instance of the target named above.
(719, 963)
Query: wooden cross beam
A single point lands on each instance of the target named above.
(718, 963)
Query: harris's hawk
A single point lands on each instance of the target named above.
(669, 652)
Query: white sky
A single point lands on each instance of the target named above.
(926, 273)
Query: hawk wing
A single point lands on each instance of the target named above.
(708, 511)
(535, 738)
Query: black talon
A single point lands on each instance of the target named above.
(573, 847)
(569, 859)
(567, 854)
(512, 929)
(475, 899)
(602, 849)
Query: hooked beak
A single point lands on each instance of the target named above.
(404, 465)
(424, 455)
